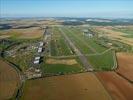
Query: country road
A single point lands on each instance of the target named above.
(81, 56)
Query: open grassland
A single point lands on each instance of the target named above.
(117, 35)
(115, 45)
(128, 31)
(104, 61)
(59, 46)
(9, 81)
(83, 86)
(101, 60)
(125, 65)
(92, 42)
(22, 61)
(25, 33)
(80, 43)
(84, 43)
(21, 55)
(61, 66)
(118, 87)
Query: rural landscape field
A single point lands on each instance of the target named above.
(65, 58)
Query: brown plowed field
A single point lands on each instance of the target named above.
(9, 80)
(83, 86)
(125, 65)
(118, 87)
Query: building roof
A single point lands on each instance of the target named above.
(39, 49)
(36, 62)
(37, 58)
(85, 30)
(41, 43)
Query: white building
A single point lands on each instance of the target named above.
(39, 49)
(37, 58)
(41, 43)
(36, 62)
(88, 33)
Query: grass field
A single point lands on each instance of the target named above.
(92, 42)
(128, 32)
(59, 47)
(85, 44)
(105, 61)
(22, 58)
(61, 66)
(114, 34)
(25, 33)
(80, 44)
(100, 61)
(83, 86)
(23, 61)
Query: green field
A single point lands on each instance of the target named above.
(86, 44)
(21, 58)
(100, 61)
(60, 68)
(78, 42)
(22, 61)
(115, 44)
(59, 47)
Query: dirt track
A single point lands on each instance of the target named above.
(9, 80)
(83, 86)
(62, 61)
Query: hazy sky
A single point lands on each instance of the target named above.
(66, 8)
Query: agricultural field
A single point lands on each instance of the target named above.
(9, 81)
(128, 31)
(119, 82)
(118, 87)
(65, 87)
(125, 65)
(66, 52)
(22, 33)
(115, 45)
(117, 34)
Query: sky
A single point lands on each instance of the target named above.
(67, 8)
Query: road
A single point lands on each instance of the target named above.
(81, 56)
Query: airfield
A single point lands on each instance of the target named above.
(49, 60)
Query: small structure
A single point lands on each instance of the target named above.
(36, 62)
(39, 49)
(88, 32)
(37, 70)
(37, 58)
(41, 44)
